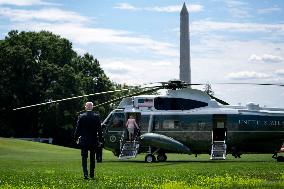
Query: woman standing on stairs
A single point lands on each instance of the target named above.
(131, 125)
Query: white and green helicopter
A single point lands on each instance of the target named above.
(186, 120)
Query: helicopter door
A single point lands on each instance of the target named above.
(137, 117)
(219, 127)
(219, 147)
(129, 146)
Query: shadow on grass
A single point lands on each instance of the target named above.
(189, 161)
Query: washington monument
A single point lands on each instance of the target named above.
(184, 67)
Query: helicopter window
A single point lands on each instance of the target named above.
(116, 120)
(220, 125)
(144, 123)
(171, 124)
(177, 104)
(140, 100)
(196, 122)
(157, 125)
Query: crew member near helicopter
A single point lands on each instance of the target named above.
(88, 135)
(99, 151)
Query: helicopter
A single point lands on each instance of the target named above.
(186, 120)
(189, 121)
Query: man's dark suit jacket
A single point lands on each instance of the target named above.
(89, 128)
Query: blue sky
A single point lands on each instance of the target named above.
(137, 41)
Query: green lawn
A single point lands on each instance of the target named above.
(35, 165)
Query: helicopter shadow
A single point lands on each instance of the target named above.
(175, 162)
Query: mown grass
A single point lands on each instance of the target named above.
(30, 165)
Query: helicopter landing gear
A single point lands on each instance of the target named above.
(149, 158)
(162, 157)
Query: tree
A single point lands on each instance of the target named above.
(208, 89)
(38, 67)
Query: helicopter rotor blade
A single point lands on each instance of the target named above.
(145, 85)
(70, 98)
(174, 84)
(177, 84)
(263, 84)
(219, 100)
(133, 94)
(120, 98)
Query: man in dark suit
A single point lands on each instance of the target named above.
(88, 133)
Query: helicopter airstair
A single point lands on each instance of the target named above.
(129, 150)
(218, 150)
(219, 135)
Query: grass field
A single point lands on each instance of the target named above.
(29, 165)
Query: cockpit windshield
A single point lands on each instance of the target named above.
(115, 120)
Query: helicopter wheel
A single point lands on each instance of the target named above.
(149, 158)
(162, 157)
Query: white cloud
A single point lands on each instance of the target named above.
(118, 67)
(244, 75)
(206, 26)
(217, 59)
(238, 9)
(265, 58)
(25, 2)
(87, 35)
(254, 57)
(137, 71)
(167, 9)
(73, 26)
(280, 72)
(195, 8)
(80, 51)
(240, 13)
(175, 8)
(125, 6)
(269, 10)
(50, 14)
(271, 58)
(234, 3)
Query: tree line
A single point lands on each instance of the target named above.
(39, 67)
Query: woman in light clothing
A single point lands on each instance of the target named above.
(131, 125)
